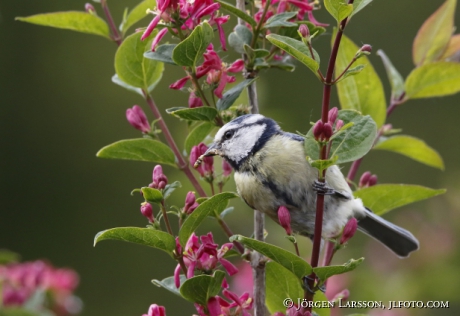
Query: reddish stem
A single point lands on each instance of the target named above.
(115, 34)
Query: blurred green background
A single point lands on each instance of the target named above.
(59, 107)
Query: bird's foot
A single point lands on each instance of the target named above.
(322, 188)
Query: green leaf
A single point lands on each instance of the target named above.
(280, 284)
(322, 164)
(200, 288)
(352, 71)
(434, 35)
(413, 148)
(200, 213)
(339, 9)
(242, 15)
(197, 135)
(170, 189)
(71, 20)
(297, 49)
(395, 78)
(131, 66)
(7, 257)
(386, 197)
(187, 52)
(162, 53)
(242, 35)
(364, 92)
(137, 14)
(169, 284)
(350, 145)
(230, 96)
(287, 259)
(141, 236)
(204, 113)
(358, 5)
(323, 273)
(141, 149)
(19, 311)
(116, 80)
(433, 80)
(281, 19)
(283, 65)
(452, 50)
(152, 195)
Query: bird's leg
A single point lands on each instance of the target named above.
(323, 189)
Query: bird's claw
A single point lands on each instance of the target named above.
(322, 188)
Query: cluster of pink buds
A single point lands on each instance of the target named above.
(190, 203)
(186, 15)
(156, 310)
(324, 131)
(367, 180)
(217, 75)
(20, 281)
(206, 169)
(217, 306)
(159, 179)
(204, 256)
(349, 230)
(137, 118)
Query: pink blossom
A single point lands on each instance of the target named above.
(226, 168)
(349, 230)
(284, 217)
(159, 178)
(158, 38)
(190, 203)
(137, 118)
(242, 303)
(194, 101)
(207, 167)
(147, 211)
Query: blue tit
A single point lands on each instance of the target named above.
(271, 171)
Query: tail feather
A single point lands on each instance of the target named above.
(397, 239)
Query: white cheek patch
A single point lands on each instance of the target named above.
(243, 141)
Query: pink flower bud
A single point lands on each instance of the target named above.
(156, 310)
(89, 8)
(190, 203)
(147, 211)
(366, 48)
(137, 118)
(227, 169)
(237, 66)
(338, 125)
(373, 180)
(349, 230)
(179, 84)
(194, 154)
(364, 180)
(327, 130)
(386, 128)
(177, 276)
(304, 30)
(318, 129)
(159, 179)
(342, 295)
(284, 217)
(208, 162)
(194, 101)
(332, 115)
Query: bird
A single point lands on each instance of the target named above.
(271, 171)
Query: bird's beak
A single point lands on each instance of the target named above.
(213, 150)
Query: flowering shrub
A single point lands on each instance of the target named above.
(269, 34)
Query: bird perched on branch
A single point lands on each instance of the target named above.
(271, 171)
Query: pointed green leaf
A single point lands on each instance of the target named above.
(358, 5)
(71, 20)
(287, 259)
(136, 14)
(197, 135)
(230, 96)
(131, 66)
(187, 52)
(453, 49)
(200, 288)
(352, 71)
(141, 149)
(386, 197)
(152, 195)
(242, 15)
(281, 19)
(141, 236)
(339, 9)
(413, 148)
(350, 145)
(204, 113)
(162, 53)
(169, 284)
(323, 273)
(116, 80)
(433, 80)
(238, 38)
(200, 213)
(170, 189)
(363, 92)
(395, 78)
(434, 35)
(297, 49)
(280, 284)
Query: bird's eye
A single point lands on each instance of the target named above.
(228, 134)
